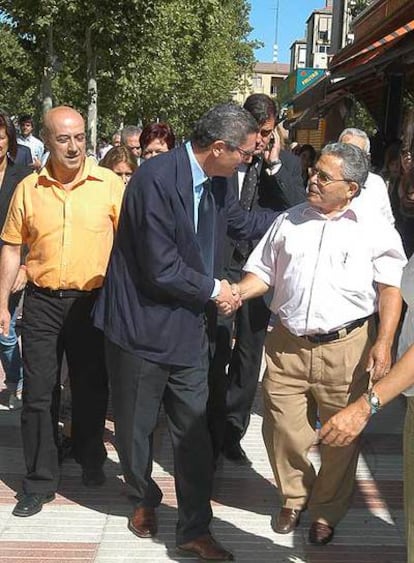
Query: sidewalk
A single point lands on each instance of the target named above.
(84, 525)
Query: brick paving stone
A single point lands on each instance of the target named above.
(48, 551)
(355, 554)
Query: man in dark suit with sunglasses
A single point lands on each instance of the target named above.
(271, 181)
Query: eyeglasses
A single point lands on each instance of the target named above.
(265, 132)
(323, 178)
(243, 152)
(247, 154)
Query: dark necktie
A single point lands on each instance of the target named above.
(247, 194)
(206, 227)
(249, 185)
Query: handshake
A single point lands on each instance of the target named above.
(229, 299)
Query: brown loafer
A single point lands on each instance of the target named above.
(320, 534)
(143, 523)
(287, 520)
(206, 548)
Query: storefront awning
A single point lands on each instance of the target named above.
(372, 51)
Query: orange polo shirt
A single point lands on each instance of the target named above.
(69, 233)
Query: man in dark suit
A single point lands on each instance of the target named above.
(161, 278)
(271, 181)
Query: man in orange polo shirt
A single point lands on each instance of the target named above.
(66, 215)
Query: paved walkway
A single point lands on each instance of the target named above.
(84, 525)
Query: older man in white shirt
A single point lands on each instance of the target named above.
(374, 195)
(332, 265)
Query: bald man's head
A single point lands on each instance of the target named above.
(64, 135)
(59, 114)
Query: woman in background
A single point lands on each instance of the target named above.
(391, 170)
(121, 161)
(307, 155)
(155, 139)
(10, 175)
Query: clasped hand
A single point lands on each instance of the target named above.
(228, 300)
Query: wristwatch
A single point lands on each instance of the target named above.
(373, 400)
(274, 162)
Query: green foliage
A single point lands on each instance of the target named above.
(18, 91)
(165, 59)
(197, 59)
(358, 6)
(360, 118)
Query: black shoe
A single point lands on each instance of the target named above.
(234, 452)
(93, 477)
(320, 533)
(32, 503)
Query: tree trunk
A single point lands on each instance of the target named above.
(92, 92)
(46, 87)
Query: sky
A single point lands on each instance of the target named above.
(292, 18)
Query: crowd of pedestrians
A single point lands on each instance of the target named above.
(160, 272)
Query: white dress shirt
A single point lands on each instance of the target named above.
(35, 145)
(323, 270)
(374, 197)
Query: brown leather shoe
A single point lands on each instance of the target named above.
(287, 520)
(320, 534)
(206, 548)
(143, 523)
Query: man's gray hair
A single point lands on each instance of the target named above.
(225, 122)
(129, 131)
(355, 165)
(356, 133)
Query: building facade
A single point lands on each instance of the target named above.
(318, 37)
(266, 79)
(298, 54)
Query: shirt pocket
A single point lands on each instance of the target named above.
(352, 271)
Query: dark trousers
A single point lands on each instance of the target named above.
(232, 391)
(52, 325)
(138, 389)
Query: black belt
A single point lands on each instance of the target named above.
(336, 334)
(60, 293)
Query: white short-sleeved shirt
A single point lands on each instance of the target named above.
(374, 198)
(323, 271)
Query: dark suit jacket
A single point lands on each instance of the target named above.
(23, 156)
(275, 192)
(13, 175)
(284, 189)
(156, 288)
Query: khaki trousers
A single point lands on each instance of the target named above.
(303, 379)
(408, 478)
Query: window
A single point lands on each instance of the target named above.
(323, 36)
(257, 81)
